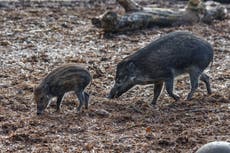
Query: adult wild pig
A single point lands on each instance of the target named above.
(161, 61)
(65, 78)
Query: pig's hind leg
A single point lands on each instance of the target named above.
(157, 91)
(194, 76)
(205, 78)
(80, 98)
(169, 85)
(86, 98)
(59, 100)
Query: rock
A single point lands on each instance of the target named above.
(102, 113)
(215, 147)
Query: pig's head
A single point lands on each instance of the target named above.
(41, 98)
(125, 78)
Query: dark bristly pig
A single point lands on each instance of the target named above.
(69, 77)
(161, 61)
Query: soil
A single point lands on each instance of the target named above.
(35, 40)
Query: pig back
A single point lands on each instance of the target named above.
(67, 78)
(178, 50)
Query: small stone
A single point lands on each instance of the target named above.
(215, 147)
(89, 146)
(102, 113)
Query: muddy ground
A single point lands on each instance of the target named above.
(35, 40)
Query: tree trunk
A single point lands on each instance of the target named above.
(138, 17)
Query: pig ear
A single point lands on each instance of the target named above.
(131, 67)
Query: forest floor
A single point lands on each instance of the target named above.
(35, 40)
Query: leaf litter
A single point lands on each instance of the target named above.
(35, 40)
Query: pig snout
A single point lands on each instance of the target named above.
(40, 109)
(114, 93)
(39, 112)
(111, 94)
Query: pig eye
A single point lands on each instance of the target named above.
(118, 81)
(121, 79)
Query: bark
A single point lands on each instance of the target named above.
(214, 11)
(138, 17)
(130, 5)
(222, 1)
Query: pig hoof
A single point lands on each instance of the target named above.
(189, 97)
(39, 113)
(58, 111)
(153, 104)
(176, 97)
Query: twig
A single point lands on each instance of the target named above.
(136, 109)
(130, 127)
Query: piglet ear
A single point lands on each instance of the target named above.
(131, 67)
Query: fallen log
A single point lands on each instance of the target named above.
(221, 1)
(138, 17)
